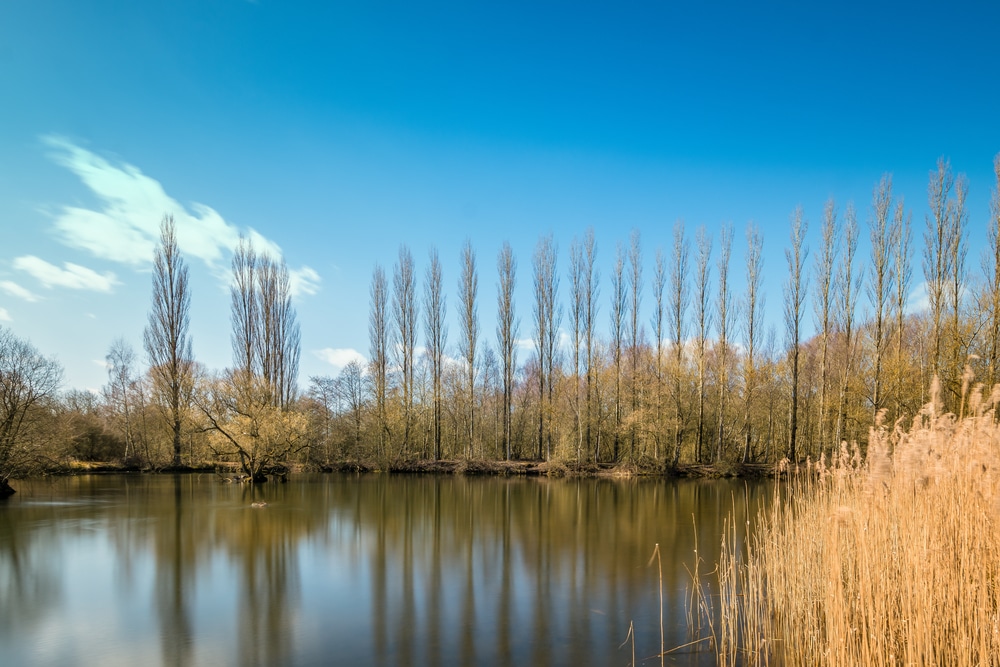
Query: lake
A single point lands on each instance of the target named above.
(356, 569)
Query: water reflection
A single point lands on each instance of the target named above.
(378, 570)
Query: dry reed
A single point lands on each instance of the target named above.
(890, 560)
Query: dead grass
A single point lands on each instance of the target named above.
(891, 560)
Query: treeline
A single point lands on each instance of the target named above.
(577, 374)
(705, 380)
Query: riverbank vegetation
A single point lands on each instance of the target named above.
(662, 363)
(893, 559)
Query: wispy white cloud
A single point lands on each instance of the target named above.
(303, 281)
(125, 228)
(5, 316)
(72, 276)
(13, 289)
(340, 357)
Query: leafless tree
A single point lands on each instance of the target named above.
(725, 319)
(618, 314)
(957, 250)
(266, 337)
(507, 334)
(378, 345)
(404, 301)
(468, 288)
(278, 340)
(991, 269)
(753, 316)
(678, 304)
(437, 336)
(848, 287)
(634, 331)
(659, 313)
(591, 291)
(577, 276)
(28, 385)
(880, 287)
(823, 306)
(704, 321)
(166, 338)
(937, 242)
(795, 291)
(900, 251)
(546, 282)
(122, 380)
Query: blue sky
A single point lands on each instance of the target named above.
(338, 131)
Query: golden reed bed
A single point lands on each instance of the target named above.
(890, 560)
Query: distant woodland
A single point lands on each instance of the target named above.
(701, 381)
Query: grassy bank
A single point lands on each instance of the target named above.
(894, 560)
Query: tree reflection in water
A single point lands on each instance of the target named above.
(390, 570)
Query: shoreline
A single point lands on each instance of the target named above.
(473, 467)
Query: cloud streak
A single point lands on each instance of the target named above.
(5, 316)
(125, 227)
(72, 276)
(13, 289)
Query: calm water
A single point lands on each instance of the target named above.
(352, 570)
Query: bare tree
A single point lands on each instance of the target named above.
(404, 301)
(591, 291)
(634, 332)
(991, 269)
(795, 291)
(704, 321)
(823, 305)
(122, 379)
(265, 335)
(468, 288)
(437, 335)
(507, 334)
(880, 287)
(28, 386)
(659, 313)
(166, 338)
(678, 304)
(753, 314)
(901, 241)
(957, 251)
(244, 306)
(618, 314)
(546, 283)
(577, 277)
(848, 287)
(378, 345)
(937, 242)
(725, 318)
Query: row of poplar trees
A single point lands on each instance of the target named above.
(707, 381)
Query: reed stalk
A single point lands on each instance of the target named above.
(890, 559)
